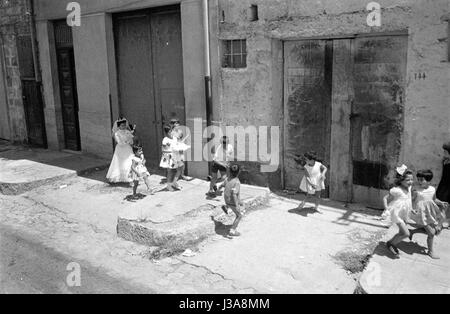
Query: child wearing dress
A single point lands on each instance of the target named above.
(314, 180)
(119, 170)
(427, 213)
(399, 205)
(232, 197)
(138, 170)
(170, 158)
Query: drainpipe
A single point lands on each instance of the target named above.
(37, 72)
(208, 85)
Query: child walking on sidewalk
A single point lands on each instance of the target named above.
(232, 196)
(138, 170)
(314, 180)
(399, 204)
(427, 213)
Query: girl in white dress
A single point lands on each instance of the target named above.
(119, 170)
(399, 205)
(427, 214)
(314, 180)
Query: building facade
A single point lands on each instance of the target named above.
(21, 106)
(365, 89)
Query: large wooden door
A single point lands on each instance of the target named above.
(34, 113)
(31, 93)
(136, 83)
(168, 65)
(377, 114)
(67, 85)
(308, 104)
(150, 73)
(345, 100)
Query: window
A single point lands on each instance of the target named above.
(235, 54)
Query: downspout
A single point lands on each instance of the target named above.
(208, 84)
(37, 72)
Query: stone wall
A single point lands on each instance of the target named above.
(13, 22)
(251, 96)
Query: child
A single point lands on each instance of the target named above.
(232, 197)
(168, 161)
(314, 180)
(399, 204)
(223, 155)
(178, 154)
(427, 214)
(138, 170)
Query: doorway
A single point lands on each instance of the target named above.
(150, 73)
(344, 99)
(67, 85)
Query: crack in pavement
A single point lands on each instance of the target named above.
(218, 274)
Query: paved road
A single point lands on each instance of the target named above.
(31, 268)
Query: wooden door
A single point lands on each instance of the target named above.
(136, 84)
(34, 113)
(168, 65)
(69, 99)
(307, 104)
(150, 72)
(377, 114)
(67, 85)
(31, 93)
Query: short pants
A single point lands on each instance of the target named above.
(218, 167)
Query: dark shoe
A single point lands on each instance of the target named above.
(411, 236)
(392, 249)
(225, 210)
(209, 178)
(215, 188)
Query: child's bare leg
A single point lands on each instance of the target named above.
(303, 203)
(178, 174)
(135, 186)
(147, 183)
(237, 220)
(415, 231)
(402, 235)
(317, 201)
(170, 178)
(213, 182)
(430, 242)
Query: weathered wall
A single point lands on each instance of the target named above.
(246, 95)
(13, 22)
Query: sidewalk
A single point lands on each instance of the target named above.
(23, 168)
(414, 272)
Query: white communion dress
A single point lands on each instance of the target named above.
(119, 170)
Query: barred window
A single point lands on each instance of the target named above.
(234, 54)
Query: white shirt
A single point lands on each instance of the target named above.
(219, 154)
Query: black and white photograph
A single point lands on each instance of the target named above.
(224, 152)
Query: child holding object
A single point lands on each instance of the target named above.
(138, 170)
(427, 214)
(399, 204)
(314, 180)
(232, 197)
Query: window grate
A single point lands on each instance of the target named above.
(235, 54)
(63, 34)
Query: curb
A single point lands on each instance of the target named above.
(12, 189)
(176, 236)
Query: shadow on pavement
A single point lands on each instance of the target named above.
(305, 212)
(221, 229)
